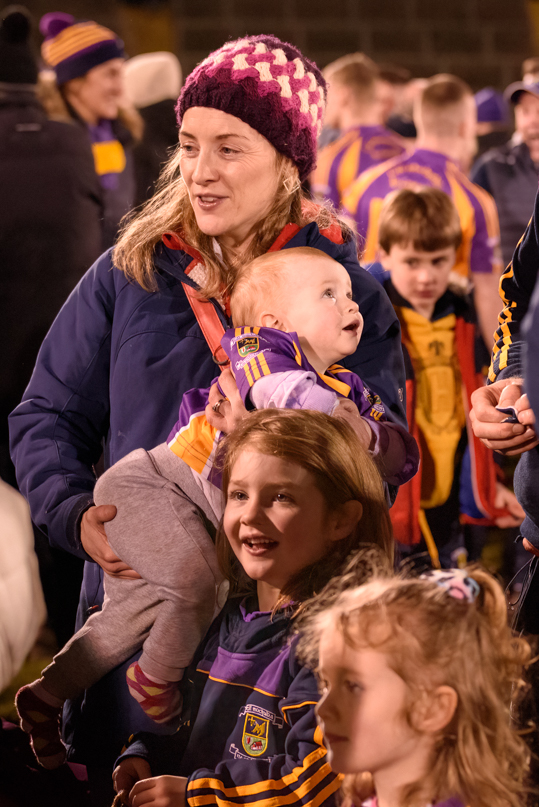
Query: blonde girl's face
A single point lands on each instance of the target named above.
(276, 521)
(362, 714)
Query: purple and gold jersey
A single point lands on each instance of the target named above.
(480, 248)
(257, 353)
(355, 151)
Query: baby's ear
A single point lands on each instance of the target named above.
(436, 710)
(269, 320)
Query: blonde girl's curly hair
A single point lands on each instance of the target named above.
(328, 449)
(433, 639)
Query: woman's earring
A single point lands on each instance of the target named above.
(291, 185)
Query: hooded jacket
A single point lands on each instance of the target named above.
(108, 378)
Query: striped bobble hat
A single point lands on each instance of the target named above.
(72, 48)
(269, 85)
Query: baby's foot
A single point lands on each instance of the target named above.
(41, 720)
(160, 700)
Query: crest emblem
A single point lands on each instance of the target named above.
(248, 345)
(255, 735)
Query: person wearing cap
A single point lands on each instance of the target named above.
(152, 83)
(87, 60)
(509, 172)
(134, 335)
(493, 124)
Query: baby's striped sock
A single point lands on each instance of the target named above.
(160, 700)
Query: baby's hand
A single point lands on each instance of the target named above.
(345, 409)
(160, 791)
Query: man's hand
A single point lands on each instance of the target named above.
(506, 500)
(231, 410)
(486, 420)
(348, 411)
(160, 791)
(94, 541)
(127, 774)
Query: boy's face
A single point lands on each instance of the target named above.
(419, 277)
(316, 303)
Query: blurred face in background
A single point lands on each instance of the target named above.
(527, 122)
(98, 95)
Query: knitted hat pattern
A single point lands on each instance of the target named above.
(269, 85)
(73, 48)
(17, 61)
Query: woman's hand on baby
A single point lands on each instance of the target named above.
(159, 791)
(231, 409)
(346, 409)
(487, 421)
(94, 542)
(127, 774)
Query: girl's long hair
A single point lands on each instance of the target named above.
(170, 209)
(328, 449)
(433, 639)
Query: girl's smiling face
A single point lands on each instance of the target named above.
(276, 521)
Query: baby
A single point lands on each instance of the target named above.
(169, 501)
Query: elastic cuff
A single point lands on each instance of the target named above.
(81, 505)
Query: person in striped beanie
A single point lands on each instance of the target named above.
(88, 60)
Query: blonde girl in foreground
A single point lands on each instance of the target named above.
(416, 679)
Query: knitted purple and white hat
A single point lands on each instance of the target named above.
(269, 85)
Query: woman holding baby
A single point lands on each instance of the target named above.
(133, 338)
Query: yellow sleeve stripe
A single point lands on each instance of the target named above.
(299, 705)
(248, 375)
(298, 354)
(236, 684)
(195, 443)
(270, 784)
(349, 167)
(264, 365)
(334, 383)
(467, 222)
(486, 203)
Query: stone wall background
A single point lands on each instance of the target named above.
(483, 41)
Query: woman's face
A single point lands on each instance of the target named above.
(98, 94)
(230, 171)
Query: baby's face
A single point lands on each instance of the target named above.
(318, 306)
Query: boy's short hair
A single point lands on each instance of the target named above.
(357, 72)
(427, 218)
(261, 280)
(442, 106)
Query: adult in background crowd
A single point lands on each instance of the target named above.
(355, 108)
(530, 70)
(88, 62)
(50, 233)
(152, 85)
(493, 120)
(129, 340)
(445, 117)
(509, 172)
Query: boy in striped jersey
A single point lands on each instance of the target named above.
(169, 500)
(355, 107)
(445, 117)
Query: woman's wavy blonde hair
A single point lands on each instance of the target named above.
(170, 209)
(328, 449)
(433, 639)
